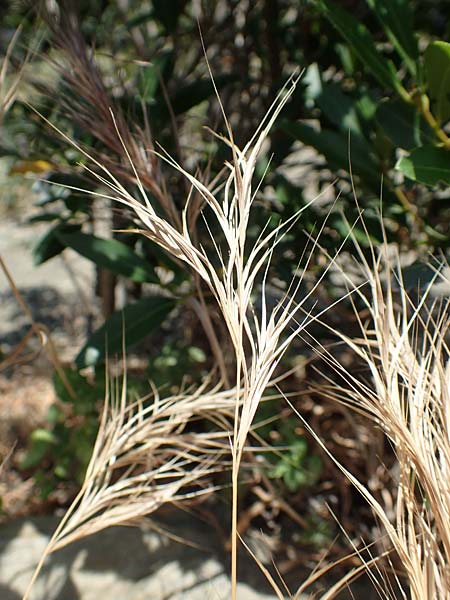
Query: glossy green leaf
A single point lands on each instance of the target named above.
(437, 70)
(402, 124)
(396, 19)
(339, 108)
(427, 164)
(50, 245)
(194, 93)
(135, 322)
(110, 254)
(339, 150)
(360, 40)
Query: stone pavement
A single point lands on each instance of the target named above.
(117, 564)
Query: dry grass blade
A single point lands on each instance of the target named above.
(8, 87)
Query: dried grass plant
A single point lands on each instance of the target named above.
(404, 345)
(144, 455)
(236, 276)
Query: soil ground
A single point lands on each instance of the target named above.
(57, 295)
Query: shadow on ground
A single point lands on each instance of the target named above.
(131, 563)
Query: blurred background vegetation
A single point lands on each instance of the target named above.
(367, 125)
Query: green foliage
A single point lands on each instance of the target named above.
(437, 69)
(289, 460)
(318, 532)
(176, 363)
(362, 44)
(396, 19)
(395, 103)
(127, 326)
(296, 467)
(110, 254)
(61, 452)
(427, 164)
(50, 244)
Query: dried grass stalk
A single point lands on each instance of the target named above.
(86, 102)
(9, 86)
(259, 340)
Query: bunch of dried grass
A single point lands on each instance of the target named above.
(144, 457)
(407, 395)
(259, 340)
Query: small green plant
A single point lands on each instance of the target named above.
(61, 452)
(288, 457)
(295, 466)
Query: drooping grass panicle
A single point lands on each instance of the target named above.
(86, 102)
(145, 456)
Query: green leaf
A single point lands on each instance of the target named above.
(168, 13)
(366, 105)
(150, 75)
(87, 392)
(44, 436)
(194, 93)
(110, 254)
(41, 441)
(135, 322)
(427, 164)
(44, 217)
(402, 124)
(359, 38)
(339, 108)
(396, 19)
(437, 70)
(50, 245)
(335, 147)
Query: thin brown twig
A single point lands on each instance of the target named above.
(41, 332)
